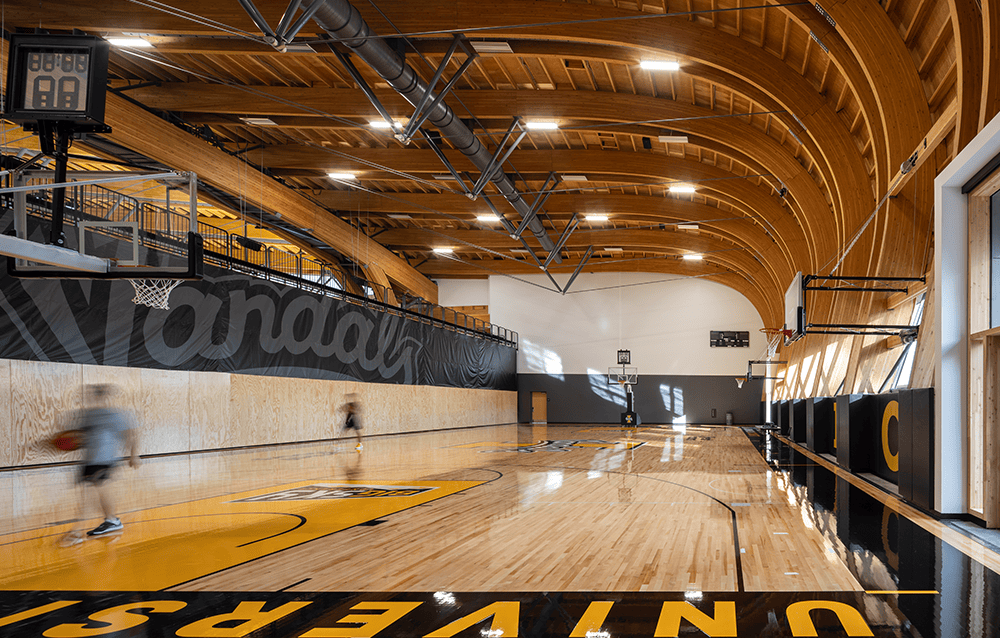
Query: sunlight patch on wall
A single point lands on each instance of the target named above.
(599, 386)
(539, 359)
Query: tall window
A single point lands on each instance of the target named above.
(899, 376)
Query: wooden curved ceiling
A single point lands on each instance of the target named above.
(797, 122)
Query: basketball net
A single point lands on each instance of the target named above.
(774, 338)
(154, 293)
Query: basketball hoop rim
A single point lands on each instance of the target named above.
(773, 332)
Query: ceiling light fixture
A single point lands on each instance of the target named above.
(341, 175)
(492, 47)
(660, 65)
(673, 139)
(259, 121)
(134, 43)
(487, 218)
(444, 177)
(574, 178)
(379, 124)
(682, 188)
(692, 257)
(596, 218)
(543, 126)
(399, 216)
(615, 250)
(444, 251)
(687, 226)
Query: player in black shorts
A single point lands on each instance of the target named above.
(353, 419)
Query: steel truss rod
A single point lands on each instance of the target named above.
(839, 278)
(537, 205)
(866, 333)
(579, 268)
(496, 161)
(286, 19)
(259, 20)
(420, 113)
(854, 289)
(858, 325)
(574, 222)
(345, 59)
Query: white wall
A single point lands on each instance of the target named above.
(664, 320)
(463, 292)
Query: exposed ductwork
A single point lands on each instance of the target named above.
(342, 21)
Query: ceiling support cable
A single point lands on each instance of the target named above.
(579, 268)
(344, 23)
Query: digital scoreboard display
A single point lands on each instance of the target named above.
(56, 81)
(56, 78)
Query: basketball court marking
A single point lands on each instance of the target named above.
(166, 546)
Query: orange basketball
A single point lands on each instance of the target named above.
(68, 440)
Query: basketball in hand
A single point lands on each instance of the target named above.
(68, 440)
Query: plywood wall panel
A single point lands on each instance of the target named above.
(6, 451)
(42, 396)
(209, 407)
(252, 413)
(180, 411)
(165, 417)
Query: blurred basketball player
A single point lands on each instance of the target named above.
(106, 432)
(353, 419)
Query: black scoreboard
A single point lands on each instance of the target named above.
(56, 78)
(729, 339)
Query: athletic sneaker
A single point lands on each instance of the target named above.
(106, 527)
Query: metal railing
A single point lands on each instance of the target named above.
(165, 230)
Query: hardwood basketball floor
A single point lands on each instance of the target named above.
(562, 508)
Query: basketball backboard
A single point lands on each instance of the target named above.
(108, 235)
(795, 310)
(623, 375)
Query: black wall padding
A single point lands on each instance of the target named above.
(797, 420)
(235, 323)
(855, 432)
(820, 424)
(659, 399)
(916, 447)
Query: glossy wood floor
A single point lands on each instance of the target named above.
(537, 508)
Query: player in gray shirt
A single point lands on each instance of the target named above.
(106, 431)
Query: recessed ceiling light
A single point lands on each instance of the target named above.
(298, 47)
(596, 218)
(492, 47)
(259, 121)
(487, 218)
(444, 251)
(614, 250)
(574, 178)
(682, 188)
(687, 226)
(660, 65)
(673, 139)
(135, 43)
(341, 175)
(543, 126)
(692, 257)
(382, 124)
(398, 216)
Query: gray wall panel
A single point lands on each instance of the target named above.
(579, 398)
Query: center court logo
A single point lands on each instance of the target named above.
(327, 491)
(571, 444)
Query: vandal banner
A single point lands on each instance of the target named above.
(234, 323)
(446, 614)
